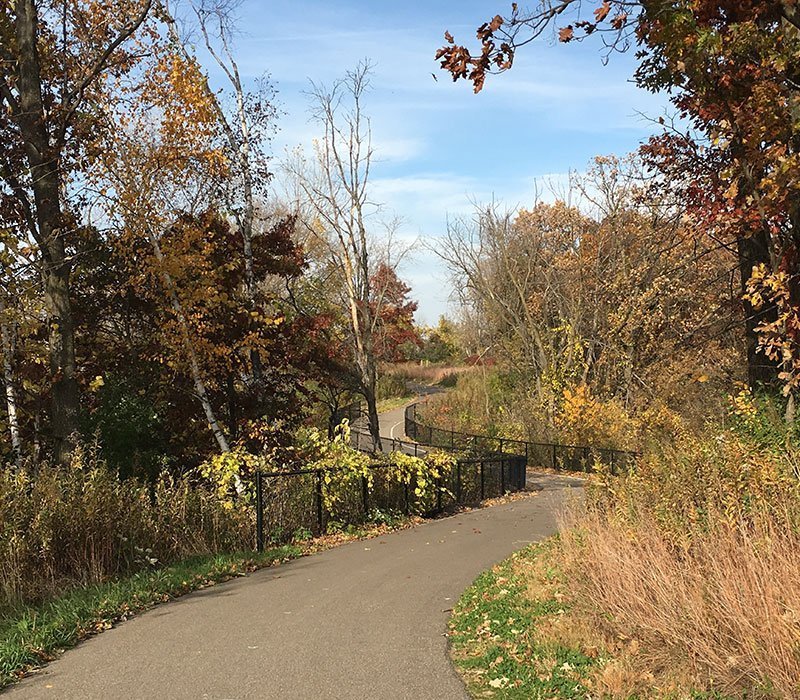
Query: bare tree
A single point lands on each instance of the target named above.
(336, 189)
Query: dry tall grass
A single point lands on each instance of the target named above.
(79, 525)
(697, 557)
(428, 374)
(725, 612)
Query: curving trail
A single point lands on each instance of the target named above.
(362, 621)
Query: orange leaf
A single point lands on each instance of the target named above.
(602, 12)
(565, 34)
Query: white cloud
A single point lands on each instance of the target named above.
(439, 148)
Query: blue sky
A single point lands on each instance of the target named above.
(441, 147)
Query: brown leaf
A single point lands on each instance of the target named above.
(602, 12)
(619, 21)
(496, 23)
(448, 37)
(565, 34)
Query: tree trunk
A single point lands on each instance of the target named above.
(7, 339)
(370, 395)
(43, 159)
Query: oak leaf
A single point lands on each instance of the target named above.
(602, 12)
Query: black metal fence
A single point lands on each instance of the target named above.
(543, 454)
(292, 502)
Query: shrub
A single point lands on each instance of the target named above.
(393, 384)
(129, 428)
(589, 421)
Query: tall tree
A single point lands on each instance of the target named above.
(55, 56)
(731, 69)
(395, 331)
(336, 188)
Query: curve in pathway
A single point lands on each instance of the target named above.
(365, 620)
(362, 621)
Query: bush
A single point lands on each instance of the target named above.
(393, 384)
(81, 524)
(129, 428)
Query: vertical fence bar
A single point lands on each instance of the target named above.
(502, 477)
(365, 494)
(555, 462)
(259, 514)
(482, 487)
(320, 523)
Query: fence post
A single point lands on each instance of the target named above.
(365, 494)
(482, 488)
(502, 477)
(259, 514)
(320, 524)
(554, 458)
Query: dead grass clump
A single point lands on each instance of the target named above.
(428, 374)
(80, 524)
(722, 612)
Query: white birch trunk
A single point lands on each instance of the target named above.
(197, 379)
(7, 339)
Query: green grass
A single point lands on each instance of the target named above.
(31, 636)
(493, 645)
(386, 405)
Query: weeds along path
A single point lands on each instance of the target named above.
(366, 620)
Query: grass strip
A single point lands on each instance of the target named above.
(390, 404)
(33, 635)
(494, 642)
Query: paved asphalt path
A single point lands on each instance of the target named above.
(362, 621)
